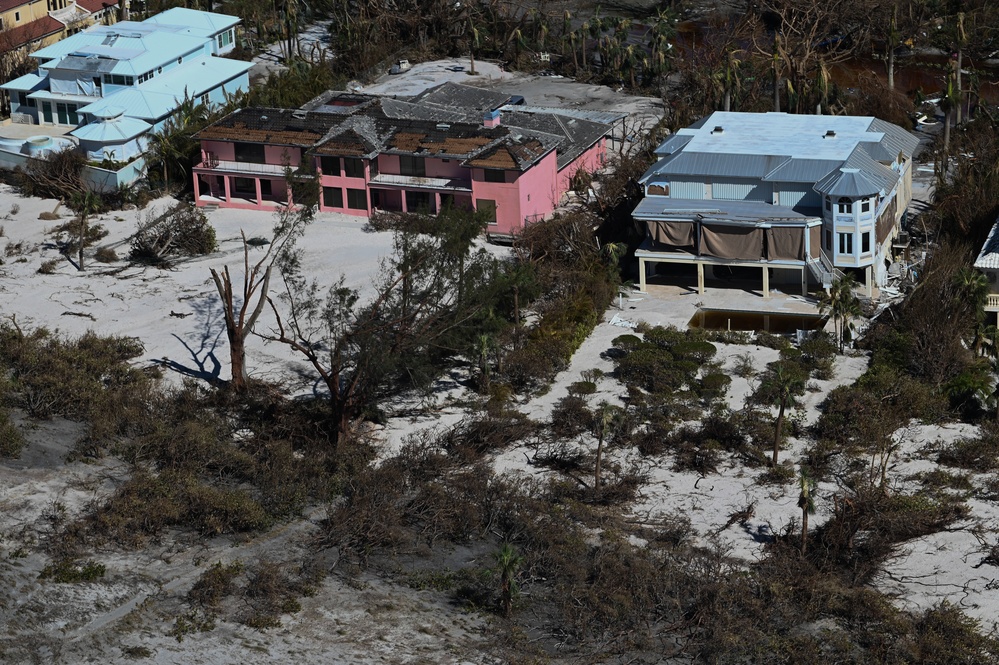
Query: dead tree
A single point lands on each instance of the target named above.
(241, 314)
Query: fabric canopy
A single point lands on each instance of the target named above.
(732, 242)
(674, 234)
(815, 241)
(786, 243)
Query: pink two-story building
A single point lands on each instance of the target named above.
(373, 153)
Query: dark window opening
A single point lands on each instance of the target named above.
(493, 175)
(252, 153)
(488, 208)
(357, 199)
(333, 197)
(846, 243)
(865, 241)
(412, 166)
(330, 165)
(353, 167)
(865, 206)
(418, 202)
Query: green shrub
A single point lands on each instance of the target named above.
(11, 439)
(580, 388)
(67, 571)
(106, 255)
(771, 341)
(714, 385)
(49, 267)
(627, 342)
(695, 351)
(215, 584)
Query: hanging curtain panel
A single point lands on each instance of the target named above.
(675, 235)
(815, 241)
(786, 243)
(732, 242)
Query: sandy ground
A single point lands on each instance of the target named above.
(175, 314)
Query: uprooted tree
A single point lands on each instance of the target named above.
(182, 230)
(427, 308)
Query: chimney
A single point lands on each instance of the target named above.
(491, 119)
(830, 134)
(718, 130)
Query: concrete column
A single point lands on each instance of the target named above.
(402, 196)
(260, 199)
(641, 275)
(804, 280)
(700, 279)
(766, 282)
(197, 188)
(228, 194)
(869, 279)
(437, 202)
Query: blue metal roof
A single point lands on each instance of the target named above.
(802, 170)
(665, 208)
(208, 23)
(27, 82)
(150, 106)
(113, 130)
(196, 77)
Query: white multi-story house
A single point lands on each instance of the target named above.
(792, 195)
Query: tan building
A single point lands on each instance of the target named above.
(33, 24)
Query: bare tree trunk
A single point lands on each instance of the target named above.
(957, 82)
(776, 91)
(891, 68)
(778, 426)
(804, 529)
(596, 468)
(728, 100)
(82, 240)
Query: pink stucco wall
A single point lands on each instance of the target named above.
(273, 154)
(591, 160)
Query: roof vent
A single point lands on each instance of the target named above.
(718, 130)
(830, 134)
(263, 117)
(299, 114)
(443, 126)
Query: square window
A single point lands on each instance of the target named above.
(865, 206)
(488, 208)
(412, 166)
(845, 207)
(353, 167)
(129, 80)
(329, 165)
(494, 175)
(249, 152)
(357, 199)
(332, 197)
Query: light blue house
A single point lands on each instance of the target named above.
(109, 86)
(791, 195)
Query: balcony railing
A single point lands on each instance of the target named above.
(419, 182)
(992, 302)
(213, 163)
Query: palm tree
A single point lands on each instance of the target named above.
(780, 385)
(507, 563)
(974, 290)
(84, 203)
(806, 503)
(841, 301)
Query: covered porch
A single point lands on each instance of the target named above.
(733, 238)
(256, 191)
(398, 193)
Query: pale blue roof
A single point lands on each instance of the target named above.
(791, 134)
(115, 130)
(137, 103)
(141, 47)
(196, 77)
(208, 22)
(27, 82)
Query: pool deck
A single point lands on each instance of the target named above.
(667, 302)
(10, 130)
